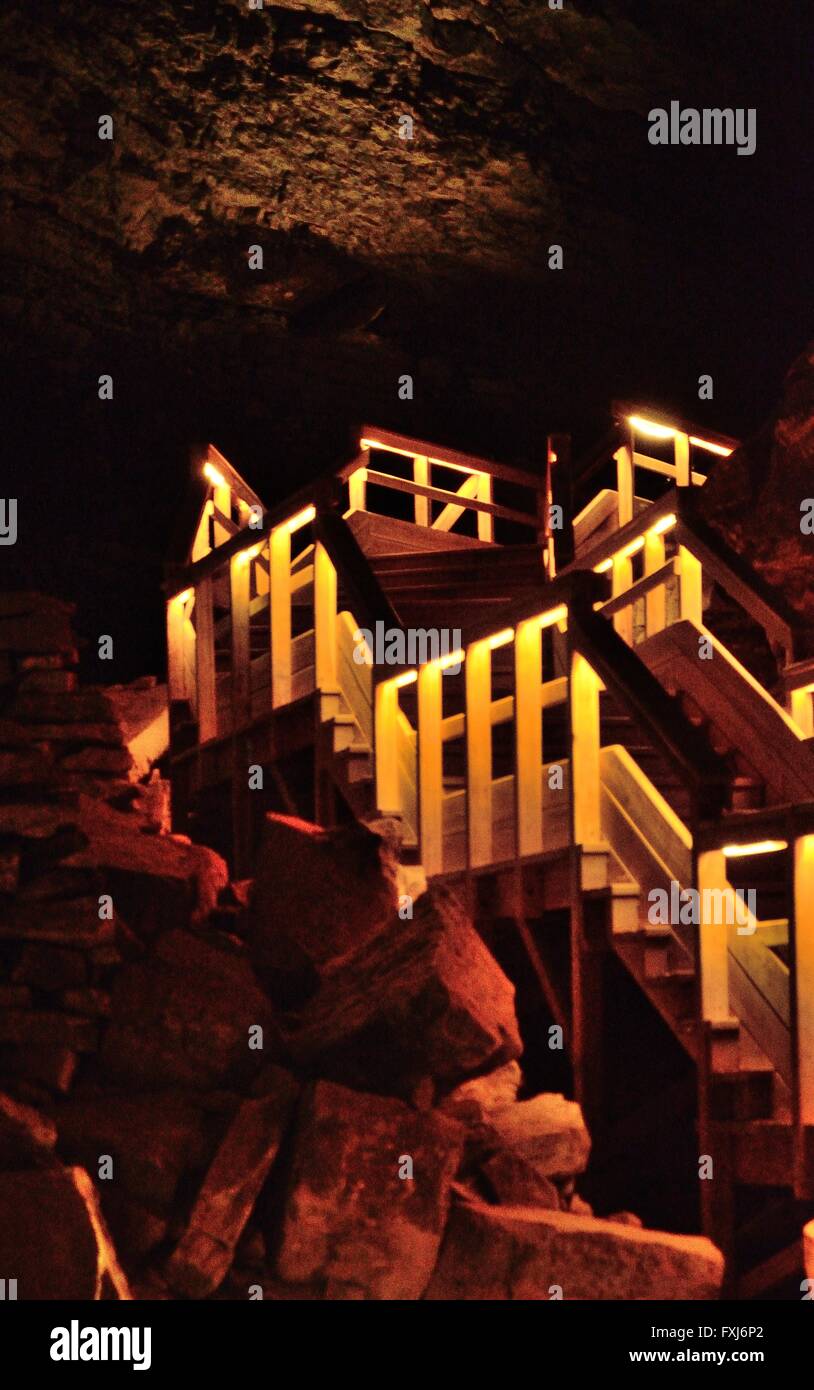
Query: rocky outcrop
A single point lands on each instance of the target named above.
(756, 498)
(523, 1253)
(172, 1126)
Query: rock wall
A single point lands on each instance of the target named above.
(288, 1093)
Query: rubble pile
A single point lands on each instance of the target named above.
(298, 1092)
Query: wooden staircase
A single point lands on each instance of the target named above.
(611, 734)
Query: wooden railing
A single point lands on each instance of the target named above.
(424, 461)
(788, 832)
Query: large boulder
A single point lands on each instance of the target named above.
(548, 1132)
(422, 1003)
(318, 894)
(182, 1017)
(368, 1195)
(521, 1253)
(227, 1195)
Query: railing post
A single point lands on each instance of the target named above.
(682, 459)
(357, 488)
(280, 615)
(478, 719)
(430, 769)
(178, 643)
(385, 737)
(421, 476)
(624, 483)
(585, 747)
(801, 985)
(324, 620)
(621, 580)
(486, 522)
(528, 728)
(691, 584)
(240, 587)
(655, 602)
(205, 661)
(712, 937)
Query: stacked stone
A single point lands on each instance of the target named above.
(288, 1089)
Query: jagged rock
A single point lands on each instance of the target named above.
(317, 896)
(424, 1000)
(45, 1064)
(516, 1183)
(73, 922)
(44, 629)
(473, 1099)
(519, 1253)
(225, 1200)
(352, 1225)
(142, 715)
(547, 1131)
(31, 1026)
(182, 1017)
(25, 1134)
(74, 707)
(626, 1218)
(151, 1139)
(155, 880)
(97, 759)
(52, 1238)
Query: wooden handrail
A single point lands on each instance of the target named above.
(701, 771)
(440, 494)
(766, 605)
(370, 603)
(452, 458)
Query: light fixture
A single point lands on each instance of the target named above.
(554, 615)
(244, 556)
(710, 447)
(631, 549)
(759, 847)
(500, 639)
(185, 596)
(604, 566)
(650, 428)
(406, 679)
(212, 475)
(370, 444)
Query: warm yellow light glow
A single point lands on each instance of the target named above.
(603, 566)
(759, 847)
(500, 639)
(451, 659)
(406, 679)
(650, 428)
(663, 525)
(710, 447)
(184, 597)
(631, 549)
(212, 475)
(554, 615)
(301, 519)
(244, 556)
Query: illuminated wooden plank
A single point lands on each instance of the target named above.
(691, 587)
(528, 737)
(712, 938)
(325, 620)
(802, 978)
(486, 523)
(624, 484)
(585, 751)
(386, 745)
(280, 615)
(421, 477)
(240, 582)
(656, 598)
(430, 768)
(478, 671)
(205, 661)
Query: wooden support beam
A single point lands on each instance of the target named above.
(325, 620)
(430, 770)
(478, 673)
(240, 589)
(528, 698)
(205, 661)
(357, 489)
(585, 740)
(176, 650)
(713, 956)
(280, 615)
(801, 977)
